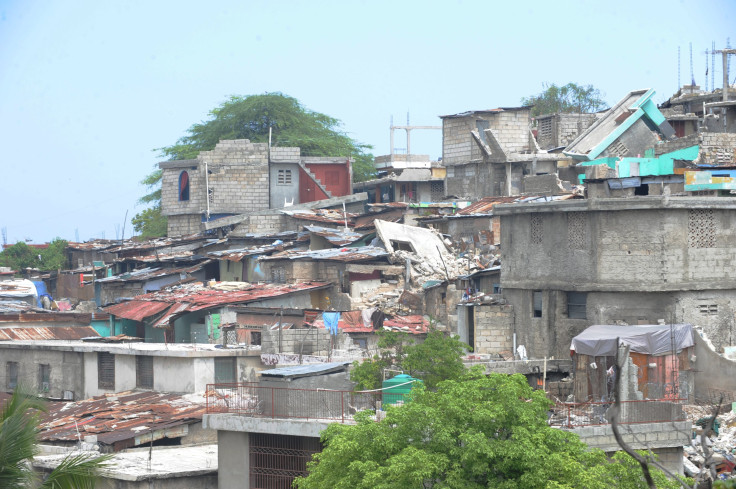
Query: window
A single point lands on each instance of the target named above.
(184, 185)
(225, 370)
(361, 343)
(284, 177)
(481, 126)
(44, 377)
(576, 305)
(278, 275)
(537, 303)
(11, 370)
(708, 309)
(144, 372)
(105, 370)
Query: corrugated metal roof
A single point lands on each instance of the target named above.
(118, 419)
(197, 297)
(137, 310)
(148, 273)
(485, 205)
(305, 370)
(360, 253)
(337, 237)
(47, 333)
(240, 253)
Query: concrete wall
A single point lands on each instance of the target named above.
(315, 341)
(714, 374)
(494, 327)
(124, 375)
(281, 193)
(555, 130)
(238, 183)
(204, 481)
(66, 370)
(233, 460)
(664, 439)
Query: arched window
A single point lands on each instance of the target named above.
(184, 186)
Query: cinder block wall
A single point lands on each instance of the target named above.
(494, 327)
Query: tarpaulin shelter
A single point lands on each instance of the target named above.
(661, 353)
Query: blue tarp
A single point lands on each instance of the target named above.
(41, 291)
(331, 319)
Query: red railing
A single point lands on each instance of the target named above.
(571, 414)
(251, 399)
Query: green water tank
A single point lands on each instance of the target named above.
(395, 389)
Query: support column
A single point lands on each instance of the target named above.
(233, 460)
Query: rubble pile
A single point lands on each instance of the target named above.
(721, 440)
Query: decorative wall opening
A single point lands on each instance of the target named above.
(576, 230)
(701, 228)
(537, 229)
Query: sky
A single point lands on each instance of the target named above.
(89, 89)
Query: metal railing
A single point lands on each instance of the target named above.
(250, 399)
(572, 415)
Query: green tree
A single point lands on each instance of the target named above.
(149, 223)
(20, 256)
(54, 257)
(250, 117)
(476, 432)
(436, 359)
(570, 98)
(19, 444)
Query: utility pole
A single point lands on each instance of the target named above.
(725, 53)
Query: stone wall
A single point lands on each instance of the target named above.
(555, 130)
(457, 142)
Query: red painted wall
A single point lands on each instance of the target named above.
(308, 190)
(334, 177)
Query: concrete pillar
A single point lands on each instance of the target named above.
(233, 460)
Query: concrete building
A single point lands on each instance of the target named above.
(76, 369)
(489, 152)
(238, 177)
(568, 265)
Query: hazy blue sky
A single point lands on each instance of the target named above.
(89, 88)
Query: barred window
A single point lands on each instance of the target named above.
(143, 372)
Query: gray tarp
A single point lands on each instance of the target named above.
(600, 340)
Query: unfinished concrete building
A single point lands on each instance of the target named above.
(571, 264)
(490, 152)
(238, 177)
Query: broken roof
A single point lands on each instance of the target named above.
(339, 237)
(487, 111)
(121, 420)
(17, 288)
(239, 253)
(145, 274)
(360, 253)
(636, 105)
(352, 322)
(197, 297)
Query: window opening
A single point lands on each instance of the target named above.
(143, 372)
(576, 305)
(184, 185)
(537, 303)
(105, 370)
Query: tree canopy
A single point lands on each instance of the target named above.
(475, 432)
(250, 117)
(20, 256)
(18, 444)
(436, 359)
(570, 98)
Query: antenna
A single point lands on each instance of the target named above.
(692, 72)
(728, 61)
(713, 66)
(706, 69)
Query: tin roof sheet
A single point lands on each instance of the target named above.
(359, 253)
(117, 418)
(337, 237)
(21, 333)
(305, 370)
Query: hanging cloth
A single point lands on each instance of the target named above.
(331, 319)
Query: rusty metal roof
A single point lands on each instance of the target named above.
(195, 297)
(121, 420)
(322, 215)
(485, 205)
(21, 333)
(352, 322)
(240, 253)
(337, 237)
(148, 273)
(359, 253)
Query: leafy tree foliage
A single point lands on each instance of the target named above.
(20, 256)
(475, 432)
(570, 98)
(250, 117)
(438, 358)
(18, 444)
(150, 223)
